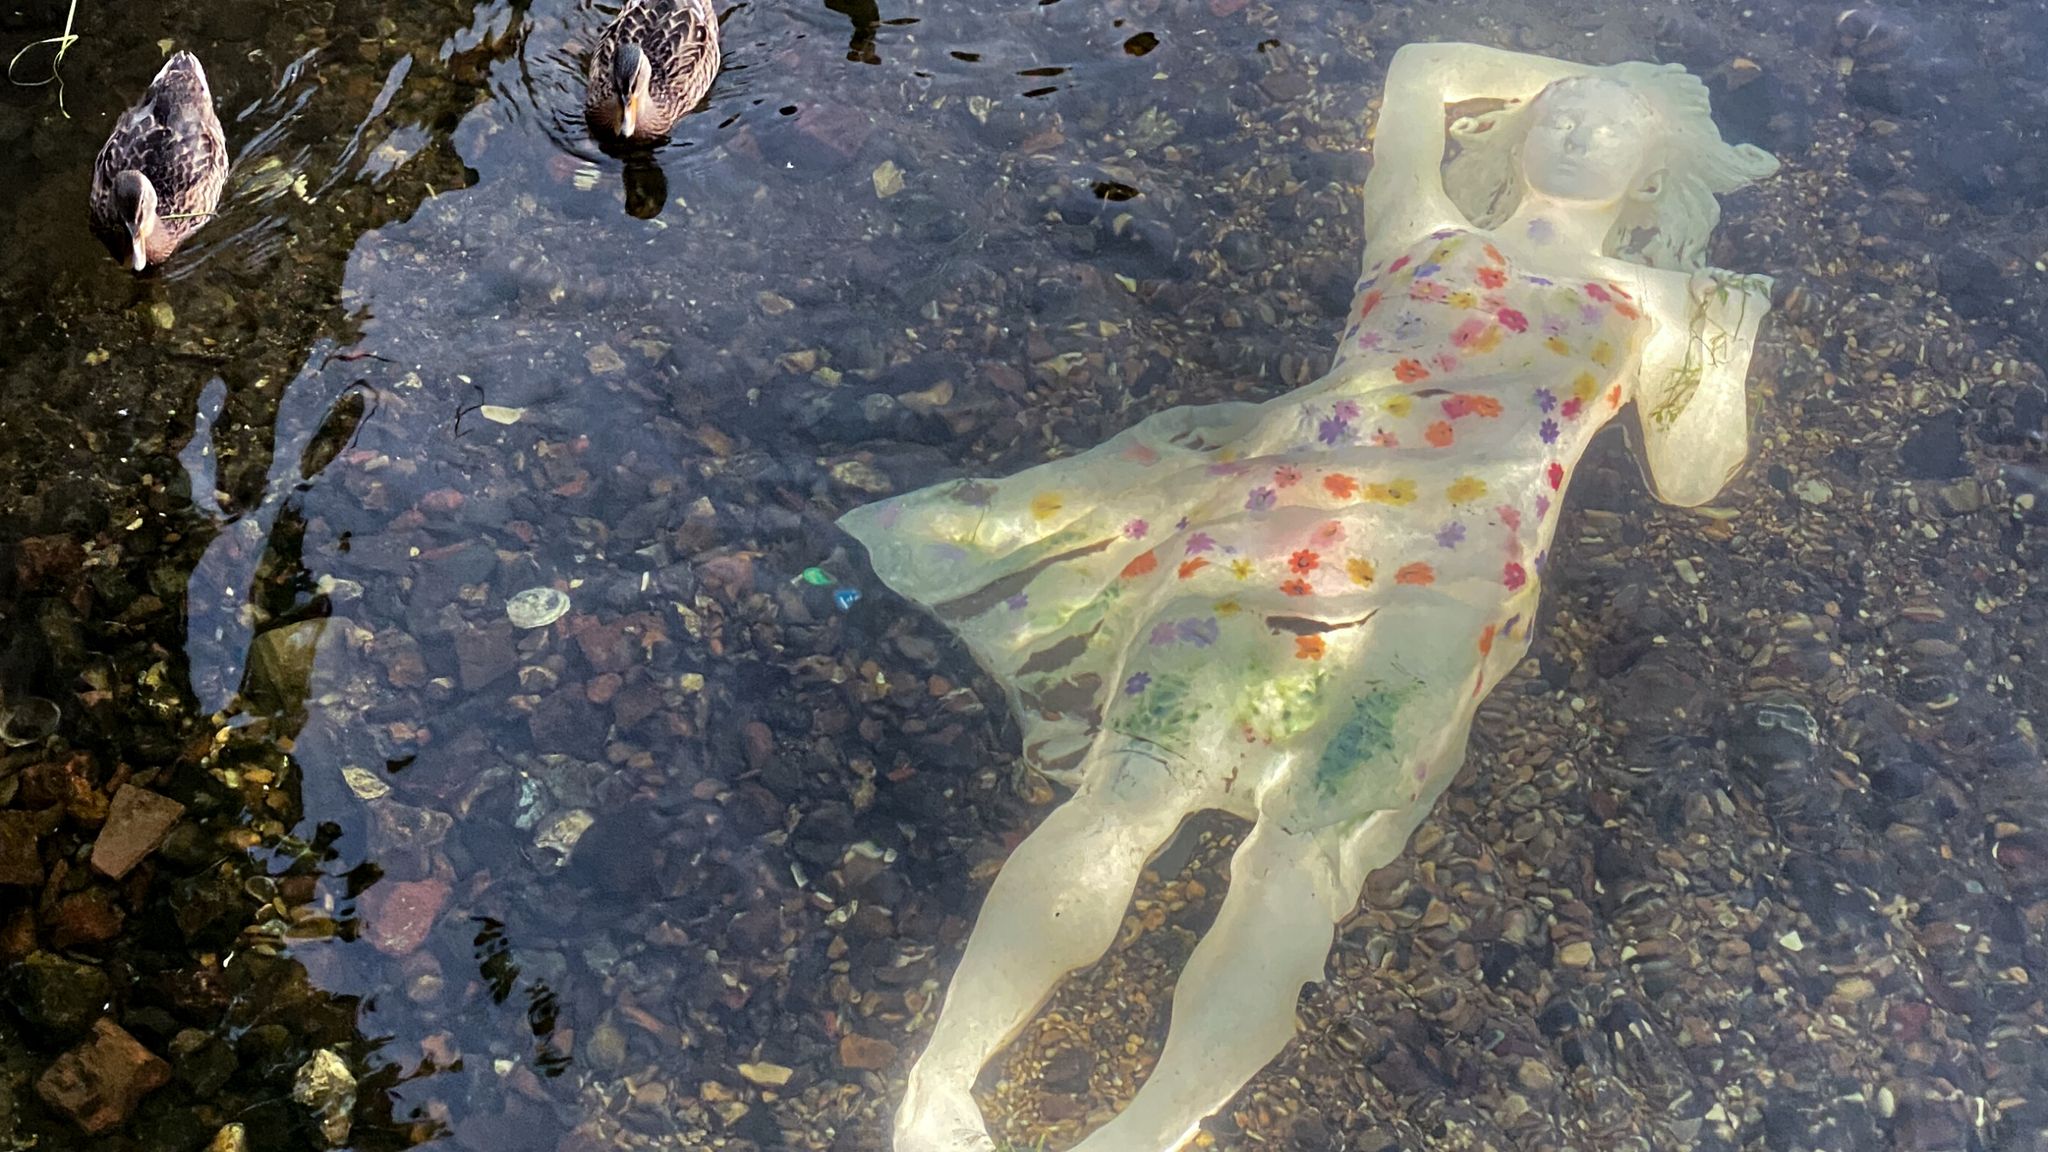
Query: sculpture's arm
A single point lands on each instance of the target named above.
(1692, 412)
(1405, 196)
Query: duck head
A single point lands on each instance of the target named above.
(135, 199)
(629, 79)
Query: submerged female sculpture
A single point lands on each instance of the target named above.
(1290, 610)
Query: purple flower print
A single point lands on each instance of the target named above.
(1541, 281)
(1542, 231)
(1345, 409)
(1262, 499)
(1429, 269)
(1554, 327)
(1180, 525)
(1201, 542)
(1136, 529)
(1018, 602)
(1371, 341)
(1589, 314)
(1230, 468)
(1548, 430)
(1542, 506)
(1332, 430)
(1138, 682)
(1450, 535)
(1201, 631)
(1546, 400)
(1162, 634)
(1443, 234)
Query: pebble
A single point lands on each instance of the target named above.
(537, 607)
(99, 1083)
(865, 1053)
(398, 914)
(325, 1086)
(766, 1075)
(1577, 954)
(137, 823)
(20, 865)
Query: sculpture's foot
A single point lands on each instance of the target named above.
(940, 1120)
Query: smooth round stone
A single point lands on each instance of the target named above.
(537, 607)
(29, 721)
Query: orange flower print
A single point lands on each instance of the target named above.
(1614, 396)
(1381, 439)
(1339, 485)
(1439, 434)
(1370, 301)
(1393, 492)
(1493, 254)
(1469, 404)
(1141, 564)
(1486, 640)
(1627, 310)
(1190, 567)
(1410, 371)
(1360, 570)
(1418, 573)
(1465, 489)
(1309, 647)
(1492, 278)
(1303, 562)
(1286, 476)
(1297, 587)
(1556, 344)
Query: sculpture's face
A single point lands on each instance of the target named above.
(1587, 141)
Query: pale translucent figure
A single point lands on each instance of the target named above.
(1290, 610)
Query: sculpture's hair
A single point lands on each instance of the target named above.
(1666, 226)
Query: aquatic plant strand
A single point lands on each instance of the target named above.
(63, 43)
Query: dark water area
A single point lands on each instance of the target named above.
(1752, 853)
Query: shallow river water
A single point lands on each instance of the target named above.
(1752, 853)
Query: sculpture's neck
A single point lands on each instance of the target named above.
(1564, 225)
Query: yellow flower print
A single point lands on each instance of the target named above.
(1556, 344)
(1241, 568)
(1395, 492)
(1585, 387)
(1228, 607)
(1465, 489)
(1398, 406)
(1603, 354)
(1463, 299)
(1360, 571)
(1046, 505)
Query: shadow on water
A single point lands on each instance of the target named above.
(686, 861)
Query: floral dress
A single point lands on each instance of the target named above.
(1293, 606)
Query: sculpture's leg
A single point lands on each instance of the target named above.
(1055, 906)
(1233, 1009)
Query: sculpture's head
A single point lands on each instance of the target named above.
(1592, 140)
(1634, 136)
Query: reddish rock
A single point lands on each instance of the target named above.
(136, 824)
(865, 1052)
(99, 1083)
(605, 645)
(759, 745)
(47, 560)
(90, 917)
(19, 863)
(71, 782)
(397, 915)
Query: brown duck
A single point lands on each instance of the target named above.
(158, 177)
(652, 65)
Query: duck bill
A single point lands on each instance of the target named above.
(138, 252)
(629, 120)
